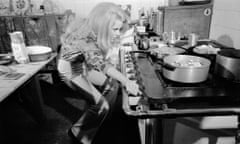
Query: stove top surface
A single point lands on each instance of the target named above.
(159, 88)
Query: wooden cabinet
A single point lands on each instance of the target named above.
(187, 19)
(37, 30)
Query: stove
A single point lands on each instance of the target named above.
(158, 90)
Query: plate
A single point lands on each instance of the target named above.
(205, 49)
(166, 50)
(5, 59)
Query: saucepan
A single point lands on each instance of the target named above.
(188, 68)
(163, 51)
(158, 52)
(227, 64)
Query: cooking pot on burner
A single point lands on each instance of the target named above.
(227, 64)
(188, 68)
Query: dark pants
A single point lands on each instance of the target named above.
(92, 118)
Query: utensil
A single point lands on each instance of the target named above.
(166, 51)
(227, 64)
(6, 59)
(172, 37)
(38, 53)
(166, 65)
(193, 39)
(186, 73)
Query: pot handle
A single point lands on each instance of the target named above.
(166, 65)
(141, 51)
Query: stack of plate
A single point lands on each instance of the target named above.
(6, 59)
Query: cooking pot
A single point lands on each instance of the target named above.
(188, 68)
(227, 64)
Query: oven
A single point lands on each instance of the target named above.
(162, 98)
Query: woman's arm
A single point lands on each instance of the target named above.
(96, 77)
(130, 85)
(114, 73)
(95, 61)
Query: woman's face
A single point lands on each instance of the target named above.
(116, 30)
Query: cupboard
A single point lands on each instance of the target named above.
(186, 19)
(37, 30)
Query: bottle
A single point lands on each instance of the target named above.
(172, 37)
(141, 26)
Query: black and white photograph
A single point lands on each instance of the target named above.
(119, 72)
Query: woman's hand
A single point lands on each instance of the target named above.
(132, 87)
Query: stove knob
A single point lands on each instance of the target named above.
(131, 71)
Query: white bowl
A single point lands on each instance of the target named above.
(37, 49)
(38, 53)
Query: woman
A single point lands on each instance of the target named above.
(86, 61)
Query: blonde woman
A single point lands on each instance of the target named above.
(85, 63)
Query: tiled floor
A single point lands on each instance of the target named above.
(18, 126)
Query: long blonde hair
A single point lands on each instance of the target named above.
(99, 22)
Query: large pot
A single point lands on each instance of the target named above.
(227, 64)
(188, 68)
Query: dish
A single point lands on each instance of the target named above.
(38, 49)
(5, 59)
(38, 53)
(188, 63)
(206, 49)
(165, 50)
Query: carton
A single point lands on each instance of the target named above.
(18, 47)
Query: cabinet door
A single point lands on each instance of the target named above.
(188, 20)
(6, 26)
(35, 30)
(52, 32)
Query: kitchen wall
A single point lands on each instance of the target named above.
(83, 7)
(225, 25)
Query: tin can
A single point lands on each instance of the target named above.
(193, 39)
(172, 37)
